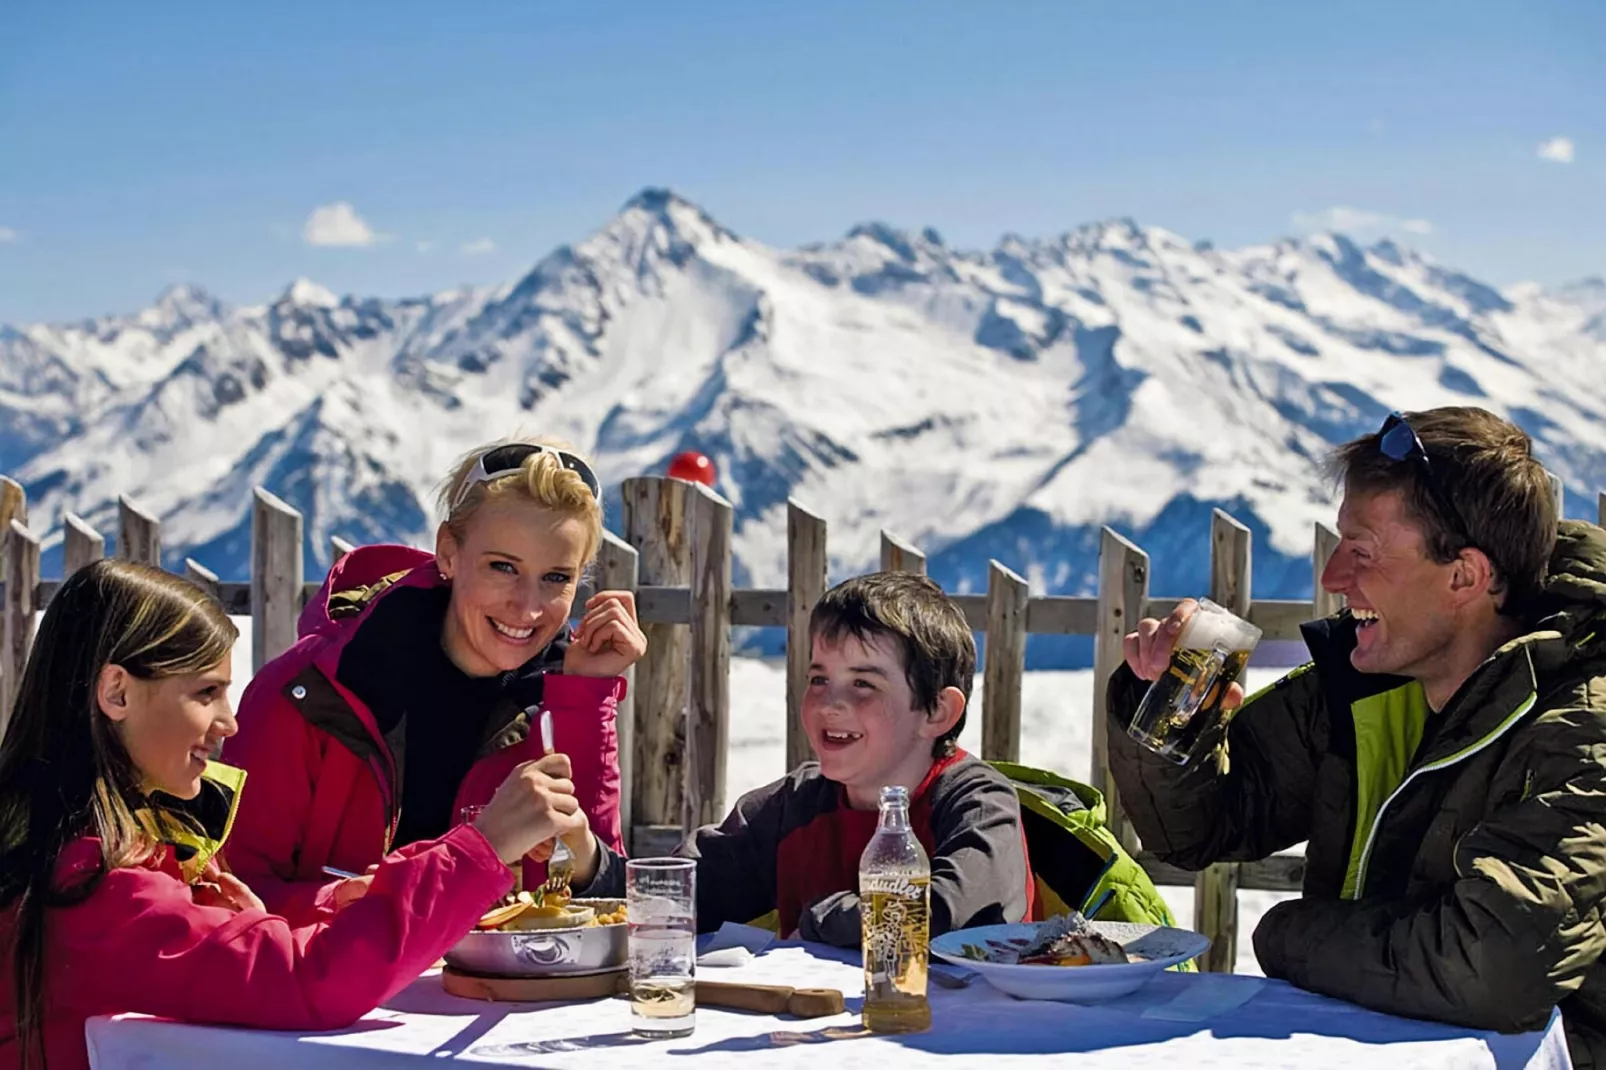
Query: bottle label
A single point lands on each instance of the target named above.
(894, 884)
(895, 921)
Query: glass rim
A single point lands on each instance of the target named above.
(659, 865)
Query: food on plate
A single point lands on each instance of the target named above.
(1066, 940)
(523, 912)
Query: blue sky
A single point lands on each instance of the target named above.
(143, 144)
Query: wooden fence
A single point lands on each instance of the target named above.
(674, 726)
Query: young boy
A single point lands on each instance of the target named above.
(889, 679)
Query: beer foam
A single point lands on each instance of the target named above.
(1212, 625)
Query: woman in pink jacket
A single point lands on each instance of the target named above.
(111, 898)
(413, 687)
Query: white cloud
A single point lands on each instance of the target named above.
(7, 236)
(337, 224)
(425, 246)
(1557, 150)
(475, 248)
(1357, 221)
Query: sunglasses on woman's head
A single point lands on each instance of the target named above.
(509, 460)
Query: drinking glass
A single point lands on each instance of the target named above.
(1184, 704)
(661, 901)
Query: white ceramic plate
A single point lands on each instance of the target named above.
(1160, 947)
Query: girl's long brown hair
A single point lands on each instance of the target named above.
(64, 773)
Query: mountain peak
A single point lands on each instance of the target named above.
(906, 244)
(308, 294)
(186, 301)
(660, 206)
(656, 224)
(658, 199)
(1108, 235)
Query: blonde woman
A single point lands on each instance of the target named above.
(413, 688)
(111, 897)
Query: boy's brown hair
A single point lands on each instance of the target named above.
(927, 627)
(1487, 491)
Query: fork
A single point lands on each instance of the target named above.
(560, 867)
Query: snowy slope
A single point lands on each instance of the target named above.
(983, 403)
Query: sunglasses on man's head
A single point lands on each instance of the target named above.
(1398, 441)
(509, 460)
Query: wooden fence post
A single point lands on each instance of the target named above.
(709, 723)
(1215, 889)
(81, 544)
(339, 548)
(139, 533)
(806, 582)
(898, 555)
(276, 577)
(22, 582)
(1123, 593)
(13, 506)
(617, 571)
(1323, 603)
(657, 526)
(204, 578)
(1004, 664)
(1558, 490)
(1601, 509)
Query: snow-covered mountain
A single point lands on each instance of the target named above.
(1002, 403)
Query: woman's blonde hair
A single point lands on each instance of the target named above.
(64, 773)
(542, 479)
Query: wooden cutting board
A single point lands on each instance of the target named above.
(765, 999)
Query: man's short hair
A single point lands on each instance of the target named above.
(1485, 467)
(927, 628)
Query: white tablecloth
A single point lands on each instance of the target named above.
(1178, 1020)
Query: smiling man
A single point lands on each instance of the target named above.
(1444, 751)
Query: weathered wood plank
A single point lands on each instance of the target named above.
(276, 579)
(656, 525)
(16, 629)
(708, 730)
(81, 544)
(1279, 873)
(13, 506)
(900, 555)
(139, 533)
(1123, 592)
(202, 577)
(1062, 615)
(1004, 667)
(1215, 890)
(806, 565)
(617, 569)
(655, 841)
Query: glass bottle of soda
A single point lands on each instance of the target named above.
(895, 916)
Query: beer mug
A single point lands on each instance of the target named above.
(1184, 704)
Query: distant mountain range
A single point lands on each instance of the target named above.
(1003, 403)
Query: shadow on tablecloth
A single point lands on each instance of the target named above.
(1252, 1007)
